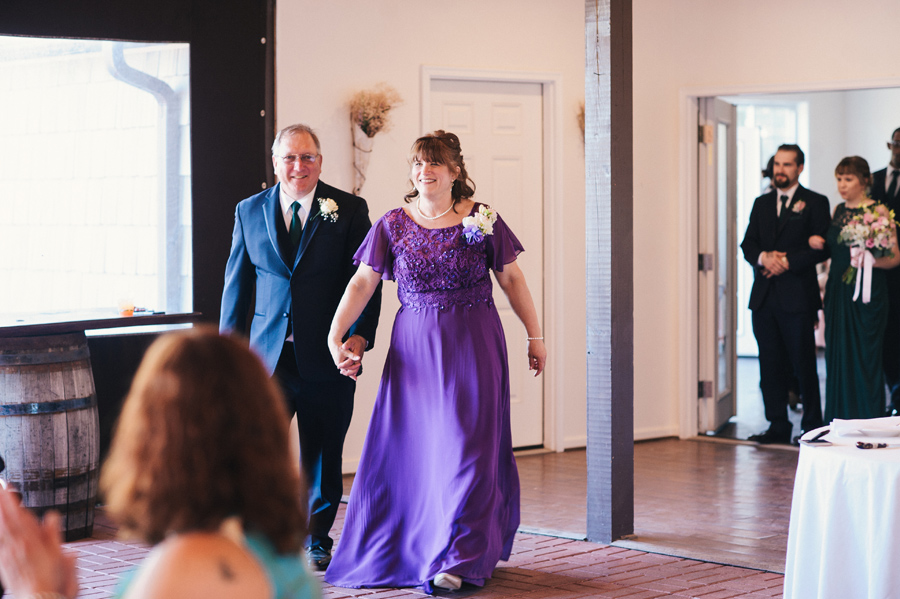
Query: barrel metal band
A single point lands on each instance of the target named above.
(45, 357)
(48, 407)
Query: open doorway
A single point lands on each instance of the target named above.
(828, 126)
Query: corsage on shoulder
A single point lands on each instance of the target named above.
(328, 208)
(478, 225)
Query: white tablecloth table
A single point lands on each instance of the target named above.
(844, 536)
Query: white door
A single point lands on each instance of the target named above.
(717, 262)
(500, 127)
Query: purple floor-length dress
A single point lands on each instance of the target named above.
(437, 488)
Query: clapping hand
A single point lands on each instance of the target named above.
(31, 558)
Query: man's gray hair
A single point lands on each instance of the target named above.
(294, 130)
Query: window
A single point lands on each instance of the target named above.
(95, 192)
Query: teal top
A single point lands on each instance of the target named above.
(288, 575)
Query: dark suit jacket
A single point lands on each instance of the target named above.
(879, 194)
(308, 290)
(796, 290)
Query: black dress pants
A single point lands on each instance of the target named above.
(787, 346)
(323, 413)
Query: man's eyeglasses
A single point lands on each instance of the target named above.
(304, 158)
(893, 144)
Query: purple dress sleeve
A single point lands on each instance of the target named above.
(375, 250)
(503, 246)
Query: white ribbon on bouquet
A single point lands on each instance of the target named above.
(865, 263)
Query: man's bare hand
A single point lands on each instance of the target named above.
(774, 263)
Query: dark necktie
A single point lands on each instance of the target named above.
(296, 224)
(784, 209)
(892, 190)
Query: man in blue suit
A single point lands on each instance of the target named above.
(293, 247)
(886, 189)
(785, 296)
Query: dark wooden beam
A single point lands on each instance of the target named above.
(610, 290)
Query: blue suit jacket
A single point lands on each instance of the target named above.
(307, 291)
(796, 290)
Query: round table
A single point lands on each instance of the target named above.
(844, 535)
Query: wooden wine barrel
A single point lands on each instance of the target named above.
(49, 426)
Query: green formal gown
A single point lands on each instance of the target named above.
(854, 333)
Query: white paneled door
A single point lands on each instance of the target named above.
(717, 263)
(500, 127)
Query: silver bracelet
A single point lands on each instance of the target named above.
(534, 338)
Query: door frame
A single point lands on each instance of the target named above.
(719, 407)
(688, 241)
(553, 283)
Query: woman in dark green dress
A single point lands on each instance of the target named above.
(854, 330)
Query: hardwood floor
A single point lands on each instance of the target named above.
(722, 502)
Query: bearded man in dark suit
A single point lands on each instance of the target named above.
(293, 248)
(886, 189)
(785, 296)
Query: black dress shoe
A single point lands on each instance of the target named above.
(769, 438)
(318, 558)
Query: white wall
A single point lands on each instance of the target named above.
(872, 115)
(326, 51)
(731, 47)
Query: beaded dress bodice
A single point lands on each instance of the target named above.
(437, 268)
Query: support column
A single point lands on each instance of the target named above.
(609, 240)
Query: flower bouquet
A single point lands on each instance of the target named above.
(869, 235)
(868, 231)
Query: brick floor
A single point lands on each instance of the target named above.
(545, 566)
(540, 567)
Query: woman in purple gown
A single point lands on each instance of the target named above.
(435, 501)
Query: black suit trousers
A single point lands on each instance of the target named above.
(787, 347)
(323, 412)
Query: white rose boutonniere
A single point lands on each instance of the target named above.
(328, 208)
(798, 206)
(475, 227)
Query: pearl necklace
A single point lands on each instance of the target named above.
(447, 211)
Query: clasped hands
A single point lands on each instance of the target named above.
(773, 263)
(348, 355)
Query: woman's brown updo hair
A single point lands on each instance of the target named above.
(442, 147)
(855, 165)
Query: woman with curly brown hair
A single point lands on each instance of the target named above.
(200, 468)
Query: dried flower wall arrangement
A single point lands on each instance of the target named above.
(369, 115)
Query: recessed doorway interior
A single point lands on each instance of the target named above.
(828, 125)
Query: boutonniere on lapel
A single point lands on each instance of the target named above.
(328, 208)
(798, 206)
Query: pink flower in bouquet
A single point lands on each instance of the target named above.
(868, 218)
